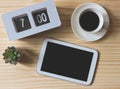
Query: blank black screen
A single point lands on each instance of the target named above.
(67, 61)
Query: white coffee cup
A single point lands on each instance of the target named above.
(100, 17)
(101, 28)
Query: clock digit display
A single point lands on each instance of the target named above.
(40, 17)
(21, 23)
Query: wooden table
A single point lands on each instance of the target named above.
(24, 76)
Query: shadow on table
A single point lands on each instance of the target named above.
(65, 16)
(28, 57)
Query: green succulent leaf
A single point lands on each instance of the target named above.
(12, 55)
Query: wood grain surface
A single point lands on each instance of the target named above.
(24, 76)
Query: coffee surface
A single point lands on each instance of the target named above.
(89, 21)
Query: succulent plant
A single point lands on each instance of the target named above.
(12, 55)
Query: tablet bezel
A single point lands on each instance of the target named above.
(92, 67)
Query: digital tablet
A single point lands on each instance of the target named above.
(67, 61)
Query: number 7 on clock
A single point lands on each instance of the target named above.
(21, 23)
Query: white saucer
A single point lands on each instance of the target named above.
(86, 35)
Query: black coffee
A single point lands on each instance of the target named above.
(89, 21)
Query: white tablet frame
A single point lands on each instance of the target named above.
(92, 67)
